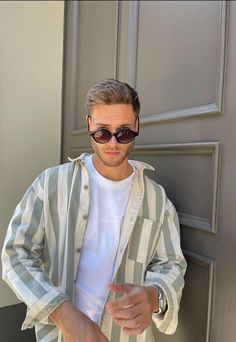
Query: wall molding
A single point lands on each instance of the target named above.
(195, 148)
(208, 109)
(132, 44)
(209, 264)
(132, 55)
(72, 62)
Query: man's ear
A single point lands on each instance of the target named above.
(137, 124)
(88, 118)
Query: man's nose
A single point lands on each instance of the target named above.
(113, 140)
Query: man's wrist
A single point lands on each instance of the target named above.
(61, 313)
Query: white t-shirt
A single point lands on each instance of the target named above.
(107, 208)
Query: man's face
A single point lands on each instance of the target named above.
(112, 117)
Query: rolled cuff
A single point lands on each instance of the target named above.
(40, 312)
(168, 321)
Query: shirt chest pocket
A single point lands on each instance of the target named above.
(143, 241)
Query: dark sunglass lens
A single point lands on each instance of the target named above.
(102, 136)
(125, 136)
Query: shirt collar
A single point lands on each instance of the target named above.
(80, 158)
(137, 164)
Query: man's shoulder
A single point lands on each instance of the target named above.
(159, 192)
(52, 174)
(62, 169)
(157, 187)
(55, 179)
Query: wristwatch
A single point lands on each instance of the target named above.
(162, 302)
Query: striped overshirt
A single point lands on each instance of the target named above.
(42, 248)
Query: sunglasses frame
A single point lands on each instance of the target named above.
(113, 135)
(92, 133)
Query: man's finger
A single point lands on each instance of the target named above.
(127, 312)
(123, 288)
(130, 323)
(135, 331)
(124, 302)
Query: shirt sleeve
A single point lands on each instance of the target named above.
(22, 263)
(167, 270)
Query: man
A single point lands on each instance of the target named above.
(93, 248)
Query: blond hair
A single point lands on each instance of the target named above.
(111, 91)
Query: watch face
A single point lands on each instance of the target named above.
(162, 304)
(162, 301)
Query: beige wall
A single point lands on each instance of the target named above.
(31, 43)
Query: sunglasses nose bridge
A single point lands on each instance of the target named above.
(113, 140)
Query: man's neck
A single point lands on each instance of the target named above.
(116, 173)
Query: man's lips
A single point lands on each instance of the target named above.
(112, 153)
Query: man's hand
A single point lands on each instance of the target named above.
(133, 311)
(75, 325)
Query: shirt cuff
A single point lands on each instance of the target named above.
(40, 312)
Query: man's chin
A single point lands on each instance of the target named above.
(112, 158)
(112, 163)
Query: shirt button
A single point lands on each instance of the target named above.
(86, 187)
(85, 217)
(78, 250)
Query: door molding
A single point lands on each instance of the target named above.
(208, 109)
(211, 149)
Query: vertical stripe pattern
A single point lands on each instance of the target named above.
(41, 251)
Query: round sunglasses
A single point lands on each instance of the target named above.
(123, 136)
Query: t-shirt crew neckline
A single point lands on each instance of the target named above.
(104, 182)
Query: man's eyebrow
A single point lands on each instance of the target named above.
(107, 125)
(100, 124)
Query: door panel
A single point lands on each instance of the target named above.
(196, 167)
(180, 56)
(90, 55)
(175, 61)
